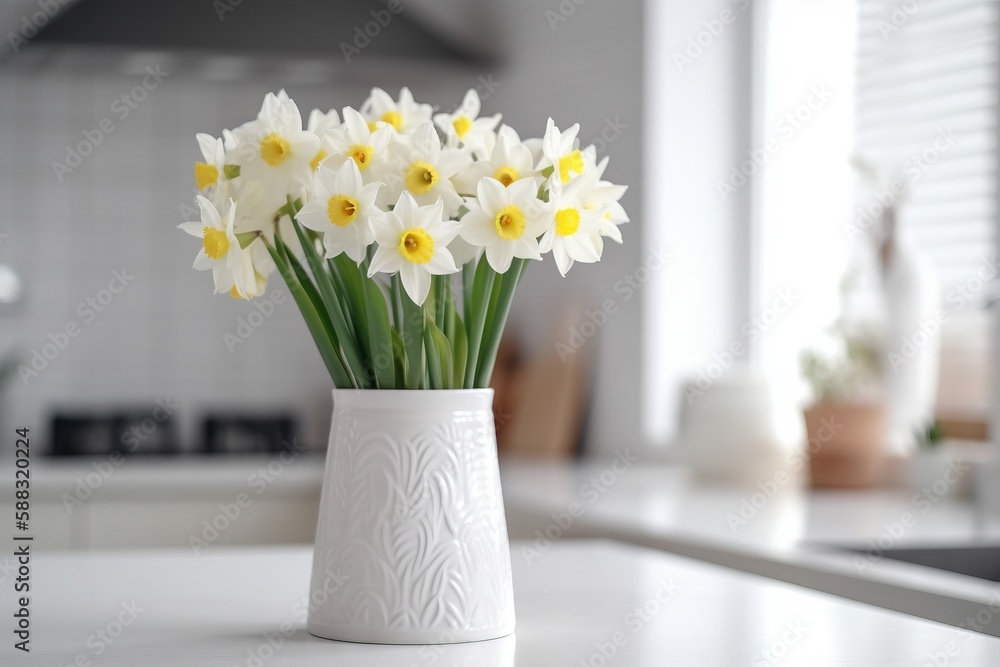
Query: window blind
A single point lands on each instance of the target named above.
(928, 69)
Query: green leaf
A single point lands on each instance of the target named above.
(399, 358)
(460, 347)
(499, 320)
(346, 337)
(320, 333)
(231, 171)
(439, 356)
(481, 289)
(350, 281)
(380, 336)
(547, 171)
(412, 332)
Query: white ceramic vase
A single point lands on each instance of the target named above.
(411, 542)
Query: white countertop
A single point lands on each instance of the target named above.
(786, 536)
(577, 600)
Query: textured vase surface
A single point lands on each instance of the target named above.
(411, 542)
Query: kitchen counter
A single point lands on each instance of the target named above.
(787, 532)
(582, 603)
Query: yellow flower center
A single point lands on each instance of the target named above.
(393, 118)
(205, 175)
(215, 242)
(420, 177)
(462, 125)
(320, 156)
(416, 245)
(275, 149)
(567, 221)
(510, 222)
(362, 155)
(506, 175)
(342, 210)
(571, 162)
(235, 293)
(372, 126)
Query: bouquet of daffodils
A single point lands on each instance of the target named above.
(368, 215)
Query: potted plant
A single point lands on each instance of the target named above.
(845, 423)
(402, 236)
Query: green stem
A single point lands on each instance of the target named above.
(511, 279)
(482, 287)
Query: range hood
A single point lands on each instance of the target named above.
(456, 31)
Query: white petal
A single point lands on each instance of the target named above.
(441, 263)
(349, 179)
(470, 104)
(416, 282)
(500, 255)
(492, 195)
(314, 216)
(209, 215)
(563, 260)
(478, 229)
(193, 228)
(386, 260)
(203, 262)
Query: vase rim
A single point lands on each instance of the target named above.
(417, 399)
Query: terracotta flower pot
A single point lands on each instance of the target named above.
(846, 444)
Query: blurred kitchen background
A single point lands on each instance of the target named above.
(812, 193)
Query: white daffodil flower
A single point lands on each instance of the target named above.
(403, 116)
(507, 221)
(509, 161)
(324, 126)
(603, 196)
(560, 151)
(369, 149)
(209, 173)
(340, 210)
(274, 149)
(220, 250)
(424, 169)
(413, 240)
(572, 225)
(466, 125)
